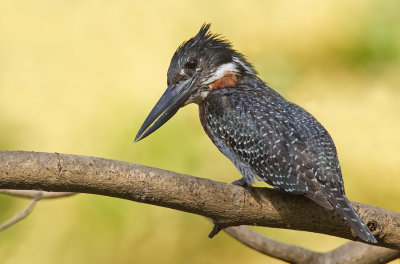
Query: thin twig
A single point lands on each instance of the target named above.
(22, 214)
(32, 194)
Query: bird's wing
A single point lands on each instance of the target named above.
(275, 141)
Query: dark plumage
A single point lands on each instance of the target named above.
(264, 135)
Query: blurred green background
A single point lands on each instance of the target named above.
(80, 77)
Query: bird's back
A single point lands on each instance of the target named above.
(271, 139)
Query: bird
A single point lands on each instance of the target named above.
(266, 137)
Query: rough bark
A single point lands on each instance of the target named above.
(227, 204)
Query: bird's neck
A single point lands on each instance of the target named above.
(228, 80)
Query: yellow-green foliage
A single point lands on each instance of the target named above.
(80, 77)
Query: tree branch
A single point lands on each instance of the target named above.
(270, 247)
(35, 196)
(226, 204)
(21, 214)
(350, 253)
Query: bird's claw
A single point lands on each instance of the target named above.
(243, 183)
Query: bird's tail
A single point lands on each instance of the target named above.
(344, 207)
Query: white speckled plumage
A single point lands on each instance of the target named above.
(273, 140)
(264, 135)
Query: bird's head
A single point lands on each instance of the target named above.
(201, 65)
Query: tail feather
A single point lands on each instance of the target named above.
(344, 207)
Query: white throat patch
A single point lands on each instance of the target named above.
(198, 97)
(219, 73)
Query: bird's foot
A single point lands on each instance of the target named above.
(243, 183)
(216, 229)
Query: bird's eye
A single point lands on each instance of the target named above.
(192, 64)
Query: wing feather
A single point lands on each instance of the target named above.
(279, 143)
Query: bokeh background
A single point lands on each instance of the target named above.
(79, 77)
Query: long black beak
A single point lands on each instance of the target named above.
(169, 103)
